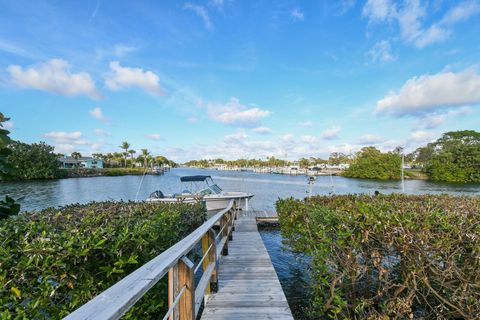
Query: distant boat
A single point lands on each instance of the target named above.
(156, 170)
(203, 188)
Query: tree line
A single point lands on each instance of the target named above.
(23, 161)
(334, 159)
(454, 157)
(127, 158)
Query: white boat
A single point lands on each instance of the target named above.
(203, 188)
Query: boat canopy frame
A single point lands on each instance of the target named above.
(196, 184)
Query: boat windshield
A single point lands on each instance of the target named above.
(205, 192)
(215, 188)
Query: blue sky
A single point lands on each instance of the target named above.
(231, 78)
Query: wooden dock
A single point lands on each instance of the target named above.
(258, 215)
(248, 286)
(238, 279)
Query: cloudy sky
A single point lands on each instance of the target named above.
(231, 78)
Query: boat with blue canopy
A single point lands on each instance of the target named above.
(202, 188)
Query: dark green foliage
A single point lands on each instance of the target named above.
(371, 163)
(5, 168)
(33, 161)
(53, 261)
(97, 172)
(8, 207)
(455, 157)
(388, 256)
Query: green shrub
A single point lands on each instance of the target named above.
(371, 163)
(33, 161)
(53, 261)
(123, 171)
(389, 256)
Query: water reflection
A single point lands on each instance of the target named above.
(292, 271)
(267, 188)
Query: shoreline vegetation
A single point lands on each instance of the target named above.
(55, 260)
(388, 256)
(454, 157)
(101, 172)
(38, 161)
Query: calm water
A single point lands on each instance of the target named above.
(291, 268)
(267, 188)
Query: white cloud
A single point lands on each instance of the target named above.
(381, 52)
(16, 50)
(65, 137)
(154, 136)
(461, 12)
(368, 139)
(409, 17)
(422, 136)
(217, 4)
(125, 77)
(262, 130)
(378, 10)
(297, 14)
(235, 137)
(201, 12)
(331, 133)
(102, 133)
(67, 142)
(192, 120)
(64, 148)
(305, 123)
(98, 114)
(233, 112)
(345, 5)
(120, 50)
(344, 148)
(434, 120)
(309, 139)
(8, 124)
(430, 92)
(54, 76)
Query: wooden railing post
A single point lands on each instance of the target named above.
(180, 276)
(173, 290)
(212, 256)
(224, 228)
(186, 278)
(206, 260)
(230, 224)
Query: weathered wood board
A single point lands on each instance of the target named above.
(248, 285)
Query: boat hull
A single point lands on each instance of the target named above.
(173, 200)
(218, 202)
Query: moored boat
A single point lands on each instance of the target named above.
(203, 188)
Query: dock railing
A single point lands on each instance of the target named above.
(184, 296)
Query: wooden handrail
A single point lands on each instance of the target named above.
(115, 301)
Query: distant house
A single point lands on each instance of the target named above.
(83, 162)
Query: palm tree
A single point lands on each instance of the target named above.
(145, 154)
(98, 156)
(125, 146)
(132, 152)
(76, 155)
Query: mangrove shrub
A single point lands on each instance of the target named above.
(371, 163)
(53, 261)
(455, 157)
(388, 256)
(33, 161)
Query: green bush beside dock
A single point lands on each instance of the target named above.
(55, 260)
(388, 256)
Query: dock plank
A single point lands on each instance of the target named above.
(248, 286)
